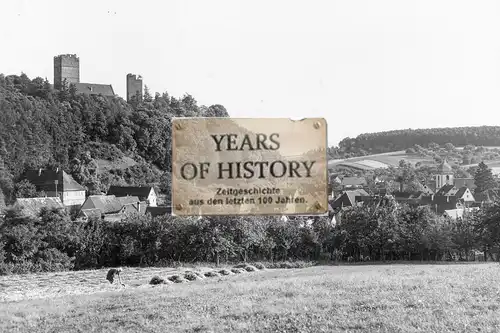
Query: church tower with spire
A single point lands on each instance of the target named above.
(444, 176)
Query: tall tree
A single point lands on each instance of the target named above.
(25, 189)
(2, 202)
(147, 95)
(484, 179)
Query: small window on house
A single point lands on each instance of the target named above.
(447, 177)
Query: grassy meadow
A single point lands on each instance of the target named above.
(351, 298)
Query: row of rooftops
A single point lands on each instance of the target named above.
(47, 179)
(447, 196)
(106, 206)
(361, 181)
(353, 188)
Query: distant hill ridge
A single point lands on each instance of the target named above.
(397, 140)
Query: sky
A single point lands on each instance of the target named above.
(364, 65)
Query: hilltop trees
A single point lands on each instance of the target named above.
(41, 127)
(382, 142)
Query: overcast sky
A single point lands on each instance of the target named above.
(365, 66)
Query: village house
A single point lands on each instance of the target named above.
(428, 190)
(354, 198)
(349, 183)
(415, 199)
(451, 197)
(158, 210)
(335, 179)
(57, 183)
(459, 213)
(110, 207)
(380, 185)
(33, 206)
(350, 199)
(144, 193)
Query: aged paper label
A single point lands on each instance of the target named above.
(249, 166)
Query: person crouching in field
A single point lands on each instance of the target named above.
(112, 273)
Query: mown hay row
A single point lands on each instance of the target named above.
(188, 276)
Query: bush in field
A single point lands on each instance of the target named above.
(260, 266)
(250, 268)
(191, 276)
(157, 280)
(211, 274)
(237, 270)
(176, 279)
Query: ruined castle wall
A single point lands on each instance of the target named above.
(134, 86)
(66, 66)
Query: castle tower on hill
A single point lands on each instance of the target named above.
(134, 86)
(66, 66)
(444, 175)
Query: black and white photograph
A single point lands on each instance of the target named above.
(249, 166)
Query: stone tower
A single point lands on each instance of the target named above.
(134, 86)
(444, 175)
(66, 66)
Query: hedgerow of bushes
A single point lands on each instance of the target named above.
(388, 232)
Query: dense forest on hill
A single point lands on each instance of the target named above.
(41, 127)
(383, 142)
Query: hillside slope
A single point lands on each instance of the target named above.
(99, 141)
(465, 157)
(391, 141)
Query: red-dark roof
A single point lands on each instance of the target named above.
(95, 89)
(348, 198)
(89, 213)
(461, 191)
(160, 210)
(107, 204)
(354, 181)
(447, 190)
(123, 191)
(128, 200)
(44, 180)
